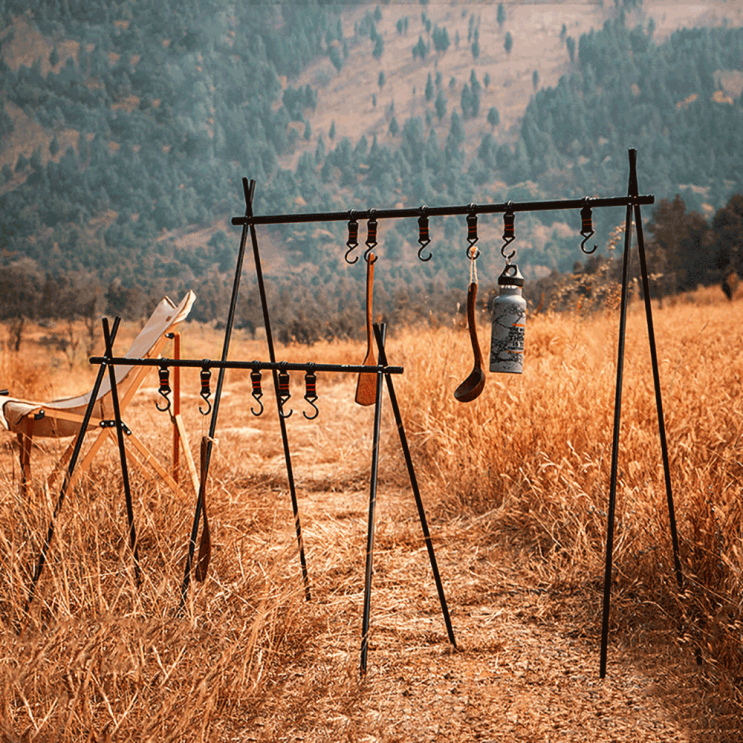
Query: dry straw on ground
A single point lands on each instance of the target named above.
(515, 484)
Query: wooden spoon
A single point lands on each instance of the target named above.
(473, 385)
(366, 387)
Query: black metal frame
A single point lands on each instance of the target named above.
(633, 201)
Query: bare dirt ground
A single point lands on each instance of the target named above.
(526, 666)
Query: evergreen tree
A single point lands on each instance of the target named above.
(381, 79)
(440, 105)
(394, 127)
(508, 44)
(493, 117)
(429, 88)
(570, 44)
(501, 15)
(378, 48)
(420, 49)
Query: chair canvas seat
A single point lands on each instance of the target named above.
(59, 416)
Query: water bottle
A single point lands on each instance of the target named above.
(509, 323)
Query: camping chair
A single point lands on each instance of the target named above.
(62, 418)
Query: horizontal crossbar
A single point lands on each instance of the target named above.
(445, 211)
(251, 365)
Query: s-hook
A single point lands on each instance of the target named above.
(164, 389)
(257, 392)
(509, 232)
(371, 236)
(310, 393)
(206, 375)
(353, 237)
(586, 229)
(284, 393)
(424, 238)
(472, 252)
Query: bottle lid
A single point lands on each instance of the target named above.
(511, 276)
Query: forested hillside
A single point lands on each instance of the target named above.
(147, 114)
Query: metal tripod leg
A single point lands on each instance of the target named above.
(414, 486)
(122, 454)
(68, 476)
(370, 527)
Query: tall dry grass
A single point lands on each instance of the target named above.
(531, 457)
(528, 463)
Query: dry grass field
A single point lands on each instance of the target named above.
(515, 486)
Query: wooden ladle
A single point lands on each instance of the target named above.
(366, 388)
(473, 385)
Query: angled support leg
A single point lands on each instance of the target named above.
(615, 443)
(414, 485)
(68, 476)
(249, 191)
(122, 454)
(656, 382)
(634, 191)
(370, 525)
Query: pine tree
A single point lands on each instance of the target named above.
(378, 48)
(501, 15)
(440, 105)
(508, 44)
(429, 88)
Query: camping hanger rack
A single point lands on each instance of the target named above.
(632, 202)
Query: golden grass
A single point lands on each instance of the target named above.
(516, 486)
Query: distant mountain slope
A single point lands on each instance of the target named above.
(126, 127)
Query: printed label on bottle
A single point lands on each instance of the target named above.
(507, 344)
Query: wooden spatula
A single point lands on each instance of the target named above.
(366, 388)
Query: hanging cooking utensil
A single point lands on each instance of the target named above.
(366, 387)
(474, 383)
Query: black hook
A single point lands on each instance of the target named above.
(509, 232)
(310, 393)
(206, 375)
(371, 237)
(424, 237)
(284, 393)
(164, 389)
(353, 237)
(255, 377)
(586, 229)
(472, 253)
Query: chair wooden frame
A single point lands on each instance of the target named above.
(25, 427)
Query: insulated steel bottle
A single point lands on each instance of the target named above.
(509, 323)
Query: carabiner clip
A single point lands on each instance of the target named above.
(206, 375)
(257, 393)
(284, 393)
(164, 389)
(310, 393)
